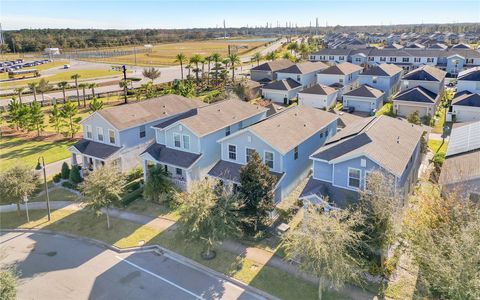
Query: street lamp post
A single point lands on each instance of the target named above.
(25, 200)
(38, 168)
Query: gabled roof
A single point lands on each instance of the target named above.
(466, 98)
(128, 115)
(319, 89)
(393, 46)
(170, 156)
(461, 46)
(231, 171)
(282, 85)
(438, 46)
(341, 69)
(216, 116)
(365, 91)
(417, 94)
(415, 46)
(291, 127)
(383, 70)
(464, 139)
(329, 51)
(304, 68)
(273, 66)
(426, 73)
(388, 141)
(95, 149)
(472, 74)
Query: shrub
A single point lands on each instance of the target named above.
(57, 177)
(132, 196)
(131, 186)
(69, 185)
(134, 174)
(75, 176)
(8, 284)
(65, 173)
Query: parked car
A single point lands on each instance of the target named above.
(66, 66)
(349, 109)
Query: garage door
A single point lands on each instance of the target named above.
(464, 115)
(360, 105)
(405, 110)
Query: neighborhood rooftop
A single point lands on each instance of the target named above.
(273, 66)
(383, 70)
(319, 89)
(426, 73)
(282, 85)
(472, 74)
(417, 94)
(304, 68)
(365, 91)
(466, 98)
(126, 116)
(341, 69)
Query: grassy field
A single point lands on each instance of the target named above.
(164, 54)
(63, 76)
(126, 234)
(14, 150)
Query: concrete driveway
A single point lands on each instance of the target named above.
(60, 267)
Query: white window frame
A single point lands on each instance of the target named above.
(246, 153)
(228, 152)
(144, 131)
(228, 131)
(359, 178)
(89, 132)
(265, 158)
(110, 136)
(176, 134)
(183, 141)
(100, 129)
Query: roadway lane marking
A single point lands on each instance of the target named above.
(160, 277)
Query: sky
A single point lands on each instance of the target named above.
(134, 14)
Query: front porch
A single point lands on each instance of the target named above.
(92, 155)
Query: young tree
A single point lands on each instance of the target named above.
(65, 173)
(84, 86)
(33, 87)
(124, 85)
(36, 118)
(234, 62)
(289, 56)
(95, 105)
(271, 56)
(323, 244)
(196, 59)
(55, 118)
(414, 118)
(74, 175)
(181, 58)
(102, 188)
(43, 87)
(256, 188)
(257, 57)
(92, 86)
(8, 284)
(76, 77)
(69, 119)
(151, 73)
(14, 115)
(157, 184)
(209, 214)
(19, 91)
(16, 183)
(216, 59)
(381, 209)
(63, 85)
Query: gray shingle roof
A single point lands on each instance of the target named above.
(365, 91)
(426, 73)
(466, 98)
(417, 94)
(273, 66)
(388, 141)
(304, 68)
(319, 89)
(231, 171)
(171, 156)
(472, 74)
(341, 69)
(470, 53)
(464, 139)
(282, 85)
(337, 197)
(382, 70)
(95, 149)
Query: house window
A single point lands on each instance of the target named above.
(248, 154)
(295, 153)
(331, 57)
(89, 131)
(227, 131)
(142, 131)
(469, 61)
(111, 135)
(371, 58)
(176, 140)
(340, 80)
(178, 171)
(393, 59)
(100, 134)
(368, 181)
(298, 78)
(430, 59)
(417, 59)
(232, 152)
(268, 159)
(186, 141)
(383, 58)
(321, 134)
(358, 59)
(341, 58)
(374, 79)
(354, 178)
(405, 59)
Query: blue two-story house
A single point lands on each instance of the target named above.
(186, 146)
(119, 134)
(340, 168)
(284, 141)
(384, 77)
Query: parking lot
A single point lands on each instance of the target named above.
(60, 267)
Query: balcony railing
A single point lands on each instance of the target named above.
(179, 182)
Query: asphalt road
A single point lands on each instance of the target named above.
(59, 267)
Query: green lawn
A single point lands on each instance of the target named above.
(58, 194)
(435, 145)
(149, 208)
(384, 110)
(440, 120)
(14, 150)
(128, 234)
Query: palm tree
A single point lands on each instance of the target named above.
(83, 86)
(189, 68)
(33, 87)
(124, 85)
(289, 56)
(63, 85)
(19, 91)
(43, 87)
(75, 77)
(92, 86)
(151, 73)
(293, 47)
(271, 55)
(196, 59)
(208, 59)
(257, 57)
(216, 58)
(234, 61)
(181, 58)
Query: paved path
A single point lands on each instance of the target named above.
(256, 255)
(63, 267)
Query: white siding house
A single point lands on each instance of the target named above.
(345, 74)
(318, 96)
(304, 73)
(469, 80)
(282, 91)
(364, 98)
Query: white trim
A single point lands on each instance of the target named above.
(246, 149)
(359, 178)
(87, 126)
(183, 142)
(273, 159)
(103, 134)
(179, 140)
(147, 156)
(114, 137)
(228, 152)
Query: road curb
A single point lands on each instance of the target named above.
(151, 248)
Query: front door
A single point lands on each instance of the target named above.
(285, 101)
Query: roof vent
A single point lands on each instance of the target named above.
(304, 125)
(398, 139)
(218, 109)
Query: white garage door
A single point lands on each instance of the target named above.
(360, 105)
(467, 115)
(406, 110)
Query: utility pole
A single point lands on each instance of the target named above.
(224, 30)
(125, 87)
(316, 27)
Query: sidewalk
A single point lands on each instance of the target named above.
(256, 255)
